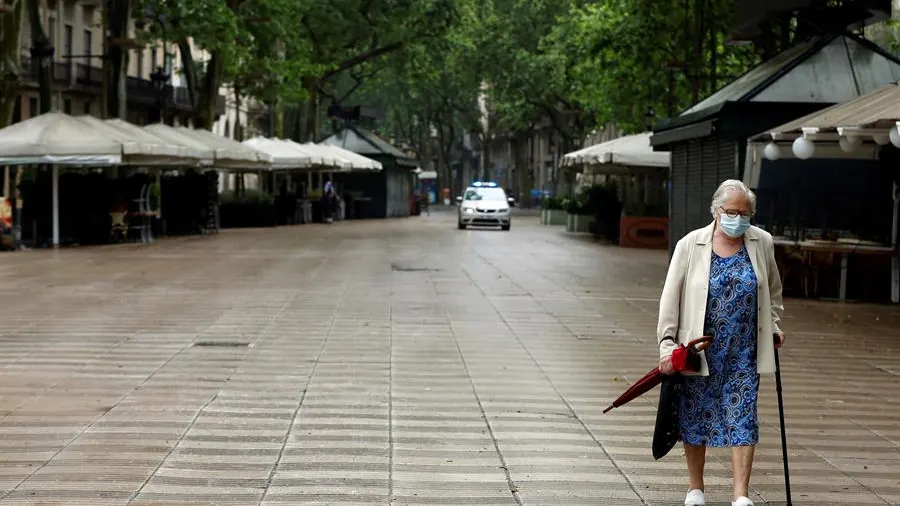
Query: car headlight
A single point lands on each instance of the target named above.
(469, 210)
(503, 211)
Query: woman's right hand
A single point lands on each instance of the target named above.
(665, 365)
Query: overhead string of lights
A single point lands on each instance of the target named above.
(804, 148)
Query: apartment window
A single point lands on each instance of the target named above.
(68, 41)
(153, 60)
(87, 107)
(51, 32)
(88, 46)
(33, 107)
(17, 110)
(140, 64)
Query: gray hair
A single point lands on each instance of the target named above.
(723, 194)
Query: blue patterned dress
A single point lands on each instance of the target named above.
(719, 410)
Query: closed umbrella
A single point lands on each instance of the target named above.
(665, 433)
(683, 359)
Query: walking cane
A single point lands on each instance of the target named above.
(784, 450)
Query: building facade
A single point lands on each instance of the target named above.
(75, 30)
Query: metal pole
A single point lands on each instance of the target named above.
(159, 192)
(104, 83)
(895, 261)
(784, 449)
(55, 178)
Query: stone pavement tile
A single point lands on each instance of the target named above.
(433, 367)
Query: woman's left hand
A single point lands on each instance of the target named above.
(779, 339)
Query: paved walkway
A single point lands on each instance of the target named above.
(404, 359)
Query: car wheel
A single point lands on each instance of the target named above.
(460, 225)
(506, 227)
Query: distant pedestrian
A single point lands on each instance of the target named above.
(329, 201)
(424, 201)
(723, 282)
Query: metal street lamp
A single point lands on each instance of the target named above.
(160, 80)
(649, 118)
(42, 54)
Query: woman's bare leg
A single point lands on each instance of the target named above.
(741, 466)
(696, 461)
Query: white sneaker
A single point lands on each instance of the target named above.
(742, 501)
(695, 498)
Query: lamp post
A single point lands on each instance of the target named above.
(42, 53)
(160, 80)
(649, 117)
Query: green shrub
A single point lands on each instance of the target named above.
(552, 203)
(249, 196)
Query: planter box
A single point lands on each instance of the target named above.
(247, 215)
(553, 217)
(644, 232)
(579, 223)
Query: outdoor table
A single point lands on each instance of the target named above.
(844, 248)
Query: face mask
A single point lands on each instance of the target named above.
(734, 227)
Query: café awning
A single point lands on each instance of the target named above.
(57, 138)
(624, 155)
(232, 153)
(284, 156)
(357, 161)
(852, 130)
(140, 147)
(197, 153)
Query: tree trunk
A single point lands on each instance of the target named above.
(560, 183)
(10, 61)
(117, 97)
(524, 173)
(205, 115)
(442, 178)
(486, 163)
(448, 154)
(203, 94)
(279, 119)
(312, 117)
(699, 30)
(42, 54)
(445, 164)
(190, 71)
(238, 132)
(309, 113)
(713, 59)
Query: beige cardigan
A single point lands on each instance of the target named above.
(682, 307)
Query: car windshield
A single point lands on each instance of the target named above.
(485, 194)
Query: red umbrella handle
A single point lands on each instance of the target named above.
(701, 343)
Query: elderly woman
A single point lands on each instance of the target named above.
(723, 282)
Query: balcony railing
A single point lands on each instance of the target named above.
(90, 79)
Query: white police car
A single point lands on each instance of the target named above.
(484, 204)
